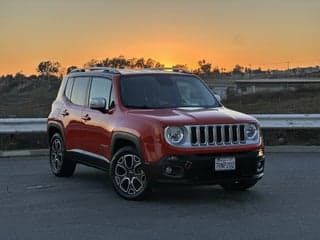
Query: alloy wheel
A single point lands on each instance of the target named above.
(56, 154)
(129, 175)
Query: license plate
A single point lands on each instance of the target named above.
(224, 163)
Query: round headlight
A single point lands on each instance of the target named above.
(251, 131)
(174, 135)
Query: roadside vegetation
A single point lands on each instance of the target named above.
(303, 100)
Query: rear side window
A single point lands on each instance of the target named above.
(100, 87)
(79, 91)
(69, 88)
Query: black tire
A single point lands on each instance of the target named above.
(129, 174)
(59, 164)
(239, 185)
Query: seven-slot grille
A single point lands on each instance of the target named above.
(226, 134)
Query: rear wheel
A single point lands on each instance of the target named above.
(238, 185)
(59, 164)
(129, 175)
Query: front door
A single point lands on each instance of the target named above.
(96, 123)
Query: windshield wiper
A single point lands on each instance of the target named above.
(139, 107)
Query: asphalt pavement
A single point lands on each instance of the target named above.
(34, 204)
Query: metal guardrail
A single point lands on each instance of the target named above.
(268, 121)
(288, 121)
(23, 125)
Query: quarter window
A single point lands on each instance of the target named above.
(69, 88)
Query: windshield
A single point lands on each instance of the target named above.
(165, 91)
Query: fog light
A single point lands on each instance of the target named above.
(168, 170)
(260, 153)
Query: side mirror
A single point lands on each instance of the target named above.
(98, 103)
(217, 97)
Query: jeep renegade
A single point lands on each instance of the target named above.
(147, 126)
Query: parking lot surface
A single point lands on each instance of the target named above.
(34, 204)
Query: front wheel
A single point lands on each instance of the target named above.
(238, 185)
(129, 175)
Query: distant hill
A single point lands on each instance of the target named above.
(303, 100)
(27, 97)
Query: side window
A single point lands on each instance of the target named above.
(100, 87)
(69, 88)
(79, 91)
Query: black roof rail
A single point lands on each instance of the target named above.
(102, 69)
(77, 70)
(171, 69)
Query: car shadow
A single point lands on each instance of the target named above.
(166, 193)
(202, 194)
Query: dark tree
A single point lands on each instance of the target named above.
(106, 62)
(122, 62)
(150, 63)
(48, 67)
(238, 69)
(132, 63)
(93, 63)
(19, 76)
(69, 69)
(247, 70)
(216, 71)
(140, 63)
(159, 65)
(180, 66)
(204, 66)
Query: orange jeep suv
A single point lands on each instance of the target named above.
(151, 126)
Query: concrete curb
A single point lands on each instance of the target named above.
(24, 153)
(269, 149)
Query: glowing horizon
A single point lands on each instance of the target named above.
(265, 34)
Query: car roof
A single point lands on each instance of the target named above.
(104, 71)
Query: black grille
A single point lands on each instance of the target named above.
(227, 134)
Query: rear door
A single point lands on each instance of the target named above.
(73, 120)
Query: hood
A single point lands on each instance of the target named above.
(193, 116)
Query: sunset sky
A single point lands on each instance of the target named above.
(225, 32)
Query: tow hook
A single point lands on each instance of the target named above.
(187, 165)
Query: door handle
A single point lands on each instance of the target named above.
(86, 117)
(65, 113)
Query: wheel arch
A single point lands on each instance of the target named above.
(54, 127)
(122, 139)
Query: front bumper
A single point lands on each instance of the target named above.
(200, 168)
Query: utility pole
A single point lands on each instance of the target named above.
(288, 64)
